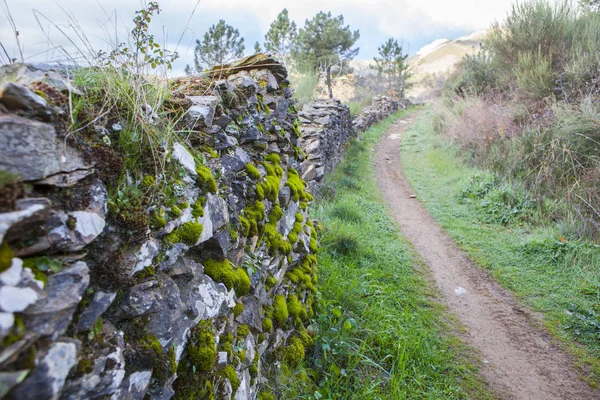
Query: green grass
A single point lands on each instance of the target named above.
(547, 272)
(382, 335)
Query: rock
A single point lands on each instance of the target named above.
(53, 75)
(236, 162)
(184, 157)
(108, 370)
(30, 212)
(7, 321)
(52, 315)
(8, 380)
(12, 276)
(252, 135)
(285, 224)
(31, 149)
(223, 141)
(244, 392)
(142, 299)
(134, 386)
(48, 377)
(221, 359)
(251, 314)
(90, 315)
(88, 227)
(18, 97)
(282, 110)
(16, 299)
(146, 254)
(202, 111)
(223, 121)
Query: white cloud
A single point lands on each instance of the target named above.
(416, 20)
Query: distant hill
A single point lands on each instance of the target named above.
(440, 58)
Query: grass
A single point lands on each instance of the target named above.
(547, 272)
(382, 335)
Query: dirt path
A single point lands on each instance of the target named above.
(519, 360)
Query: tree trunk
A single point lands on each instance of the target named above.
(329, 82)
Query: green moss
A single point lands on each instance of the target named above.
(6, 256)
(303, 205)
(275, 242)
(206, 180)
(252, 215)
(294, 352)
(157, 219)
(266, 396)
(148, 181)
(176, 211)
(210, 151)
(254, 366)
(270, 282)
(252, 171)
(229, 373)
(225, 343)
(198, 209)
(273, 158)
(238, 309)
(299, 217)
(164, 364)
(242, 331)
(84, 366)
(296, 128)
(297, 187)
(184, 205)
(171, 239)
(261, 128)
(190, 232)
(245, 227)
(201, 347)
(267, 324)
(280, 310)
(223, 271)
(233, 235)
(296, 229)
(269, 188)
(294, 306)
(261, 337)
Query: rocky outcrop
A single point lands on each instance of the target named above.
(177, 267)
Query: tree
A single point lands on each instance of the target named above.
(281, 36)
(221, 44)
(323, 42)
(391, 64)
(257, 48)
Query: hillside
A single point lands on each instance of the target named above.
(439, 58)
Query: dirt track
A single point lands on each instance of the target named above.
(519, 359)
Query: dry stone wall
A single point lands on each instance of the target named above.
(327, 127)
(188, 272)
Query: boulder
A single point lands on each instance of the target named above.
(202, 111)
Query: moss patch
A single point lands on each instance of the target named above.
(224, 272)
(280, 310)
(206, 180)
(6, 256)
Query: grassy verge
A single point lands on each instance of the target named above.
(381, 333)
(555, 276)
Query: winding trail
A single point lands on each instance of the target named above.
(520, 360)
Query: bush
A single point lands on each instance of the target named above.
(305, 86)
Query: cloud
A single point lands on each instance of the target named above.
(415, 21)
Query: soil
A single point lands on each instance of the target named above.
(519, 359)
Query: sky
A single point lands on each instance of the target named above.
(45, 25)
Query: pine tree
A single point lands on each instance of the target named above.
(281, 36)
(257, 48)
(221, 44)
(323, 42)
(391, 64)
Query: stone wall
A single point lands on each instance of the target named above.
(326, 129)
(139, 264)
(381, 107)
